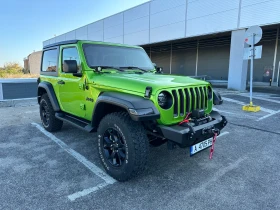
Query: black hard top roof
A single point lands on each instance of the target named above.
(61, 43)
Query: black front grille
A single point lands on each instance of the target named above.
(188, 99)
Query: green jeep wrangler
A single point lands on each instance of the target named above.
(116, 91)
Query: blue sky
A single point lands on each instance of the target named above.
(25, 24)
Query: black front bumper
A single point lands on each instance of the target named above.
(190, 135)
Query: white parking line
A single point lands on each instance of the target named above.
(222, 134)
(261, 98)
(269, 115)
(218, 110)
(242, 103)
(82, 193)
(96, 170)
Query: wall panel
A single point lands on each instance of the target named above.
(60, 38)
(167, 17)
(140, 24)
(223, 21)
(96, 26)
(81, 33)
(168, 32)
(113, 31)
(113, 20)
(70, 35)
(137, 12)
(96, 36)
(260, 14)
(202, 8)
(161, 5)
(137, 38)
(118, 39)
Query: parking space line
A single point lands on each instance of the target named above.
(264, 99)
(85, 192)
(269, 115)
(242, 103)
(222, 134)
(96, 170)
(233, 101)
(218, 110)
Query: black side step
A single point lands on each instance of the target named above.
(75, 121)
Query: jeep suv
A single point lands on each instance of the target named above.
(116, 91)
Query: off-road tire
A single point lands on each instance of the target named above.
(53, 124)
(136, 144)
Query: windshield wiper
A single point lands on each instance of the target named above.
(133, 67)
(99, 68)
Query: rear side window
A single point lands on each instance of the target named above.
(50, 60)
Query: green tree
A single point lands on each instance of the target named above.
(12, 68)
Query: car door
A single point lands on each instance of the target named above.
(71, 88)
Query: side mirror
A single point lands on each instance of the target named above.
(217, 99)
(159, 70)
(70, 66)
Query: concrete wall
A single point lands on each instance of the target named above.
(163, 20)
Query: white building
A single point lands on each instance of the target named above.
(194, 37)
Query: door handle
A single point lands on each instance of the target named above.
(61, 82)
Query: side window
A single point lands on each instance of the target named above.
(49, 61)
(71, 53)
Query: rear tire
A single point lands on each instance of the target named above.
(123, 146)
(47, 114)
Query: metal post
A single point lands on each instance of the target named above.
(171, 59)
(275, 55)
(251, 73)
(278, 74)
(196, 61)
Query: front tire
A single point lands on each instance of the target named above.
(47, 114)
(123, 146)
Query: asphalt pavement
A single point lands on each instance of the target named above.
(39, 170)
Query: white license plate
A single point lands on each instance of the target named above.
(200, 146)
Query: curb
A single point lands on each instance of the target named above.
(18, 102)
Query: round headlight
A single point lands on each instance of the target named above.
(210, 93)
(164, 100)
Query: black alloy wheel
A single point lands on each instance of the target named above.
(45, 113)
(114, 147)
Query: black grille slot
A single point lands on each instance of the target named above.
(205, 97)
(202, 97)
(192, 99)
(188, 101)
(174, 92)
(182, 100)
(197, 98)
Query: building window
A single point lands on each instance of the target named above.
(71, 53)
(49, 61)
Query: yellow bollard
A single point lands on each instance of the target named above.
(251, 108)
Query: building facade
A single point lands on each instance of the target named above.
(195, 37)
(32, 63)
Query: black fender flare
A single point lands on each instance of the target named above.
(217, 100)
(139, 108)
(50, 91)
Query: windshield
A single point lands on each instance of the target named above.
(116, 56)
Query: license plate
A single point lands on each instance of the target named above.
(200, 146)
